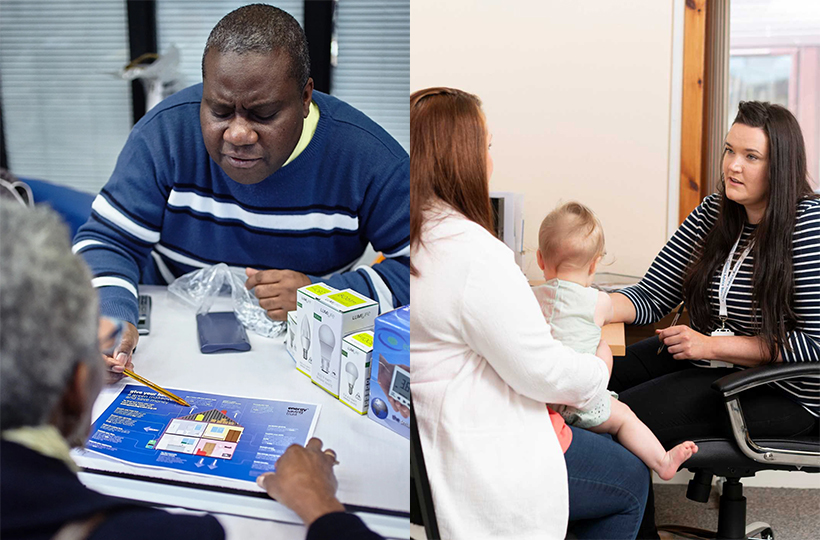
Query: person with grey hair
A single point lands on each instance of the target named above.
(255, 169)
(50, 374)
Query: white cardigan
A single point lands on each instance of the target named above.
(483, 365)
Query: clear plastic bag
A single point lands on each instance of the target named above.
(199, 289)
(160, 78)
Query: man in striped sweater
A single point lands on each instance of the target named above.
(255, 169)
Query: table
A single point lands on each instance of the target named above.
(374, 462)
(615, 337)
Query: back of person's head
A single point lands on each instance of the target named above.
(48, 310)
(571, 236)
(448, 156)
(260, 28)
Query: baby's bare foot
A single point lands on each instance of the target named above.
(673, 458)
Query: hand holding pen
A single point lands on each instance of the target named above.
(674, 322)
(684, 343)
(109, 336)
(117, 340)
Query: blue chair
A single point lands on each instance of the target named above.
(73, 206)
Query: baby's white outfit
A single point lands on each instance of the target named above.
(569, 309)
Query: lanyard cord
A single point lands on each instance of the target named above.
(728, 275)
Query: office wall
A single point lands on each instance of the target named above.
(578, 98)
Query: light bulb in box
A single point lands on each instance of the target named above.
(352, 376)
(305, 326)
(327, 339)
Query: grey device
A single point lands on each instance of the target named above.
(221, 331)
(400, 386)
(144, 320)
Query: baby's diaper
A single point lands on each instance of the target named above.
(595, 415)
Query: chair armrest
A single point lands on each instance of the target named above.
(739, 381)
(762, 452)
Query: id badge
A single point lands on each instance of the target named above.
(721, 332)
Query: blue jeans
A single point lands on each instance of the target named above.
(607, 487)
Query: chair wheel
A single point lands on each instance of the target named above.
(759, 531)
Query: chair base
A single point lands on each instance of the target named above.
(761, 530)
(731, 514)
(754, 531)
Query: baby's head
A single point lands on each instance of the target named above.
(570, 243)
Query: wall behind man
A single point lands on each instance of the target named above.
(578, 98)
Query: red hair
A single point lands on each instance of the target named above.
(448, 157)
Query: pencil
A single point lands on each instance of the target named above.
(674, 322)
(159, 389)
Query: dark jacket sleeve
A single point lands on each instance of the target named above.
(157, 525)
(340, 526)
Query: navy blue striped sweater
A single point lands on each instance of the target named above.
(168, 209)
(660, 290)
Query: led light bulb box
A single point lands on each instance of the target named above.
(305, 298)
(336, 315)
(354, 388)
(390, 372)
(291, 339)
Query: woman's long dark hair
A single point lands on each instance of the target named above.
(448, 158)
(773, 279)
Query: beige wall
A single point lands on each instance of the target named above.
(577, 95)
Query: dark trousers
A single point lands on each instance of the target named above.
(675, 399)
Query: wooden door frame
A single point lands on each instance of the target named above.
(692, 184)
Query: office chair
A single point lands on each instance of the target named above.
(739, 456)
(421, 498)
(74, 206)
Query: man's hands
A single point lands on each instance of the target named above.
(686, 344)
(276, 290)
(304, 481)
(117, 344)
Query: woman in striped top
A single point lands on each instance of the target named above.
(746, 263)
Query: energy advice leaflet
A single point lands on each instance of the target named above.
(232, 437)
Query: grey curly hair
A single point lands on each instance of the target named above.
(261, 28)
(48, 314)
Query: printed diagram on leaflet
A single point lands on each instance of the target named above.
(208, 434)
(227, 436)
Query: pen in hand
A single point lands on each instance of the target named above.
(674, 322)
(156, 387)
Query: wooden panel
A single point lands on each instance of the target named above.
(614, 336)
(715, 93)
(692, 127)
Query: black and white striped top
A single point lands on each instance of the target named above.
(660, 290)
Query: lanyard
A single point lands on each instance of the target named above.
(727, 277)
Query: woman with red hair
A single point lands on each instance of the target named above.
(501, 465)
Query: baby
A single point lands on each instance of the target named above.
(571, 244)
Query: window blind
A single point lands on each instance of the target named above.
(66, 115)
(373, 65)
(187, 24)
